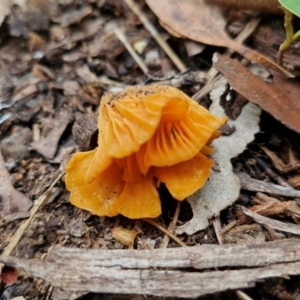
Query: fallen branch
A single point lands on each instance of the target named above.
(275, 224)
(255, 185)
(164, 272)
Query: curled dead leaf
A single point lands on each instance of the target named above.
(195, 20)
(124, 236)
(280, 98)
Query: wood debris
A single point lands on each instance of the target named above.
(251, 184)
(278, 225)
(11, 200)
(156, 272)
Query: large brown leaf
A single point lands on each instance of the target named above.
(280, 99)
(195, 20)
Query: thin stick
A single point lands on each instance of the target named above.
(163, 229)
(242, 295)
(275, 224)
(212, 80)
(228, 226)
(218, 230)
(122, 37)
(270, 172)
(171, 228)
(155, 34)
(39, 203)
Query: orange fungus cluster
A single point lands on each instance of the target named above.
(147, 135)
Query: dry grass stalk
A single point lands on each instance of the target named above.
(166, 231)
(155, 34)
(39, 203)
(122, 37)
(171, 228)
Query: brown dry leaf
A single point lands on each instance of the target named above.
(196, 20)
(124, 236)
(280, 99)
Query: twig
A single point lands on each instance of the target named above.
(154, 33)
(278, 225)
(39, 203)
(270, 172)
(228, 226)
(218, 230)
(255, 185)
(292, 210)
(164, 230)
(279, 164)
(244, 228)
(172, 225)
(242, 295)
(212, 78)
(121, 36)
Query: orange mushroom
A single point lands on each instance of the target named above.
(147, 135)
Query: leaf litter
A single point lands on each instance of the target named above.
(72, 66)
(196, 20)
(279, 98)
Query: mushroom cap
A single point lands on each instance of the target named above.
(159, 123)
(147, 134)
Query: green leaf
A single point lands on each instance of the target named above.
(291, 5)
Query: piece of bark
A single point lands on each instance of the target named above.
(255, 185)
(272, 208)
(292, 210)
(85, 132)
(128, 271)
(278, 225)
(11, 200)
(292, 165)
(199, 257)
(295, 181)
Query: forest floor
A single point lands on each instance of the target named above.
(57, 59)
